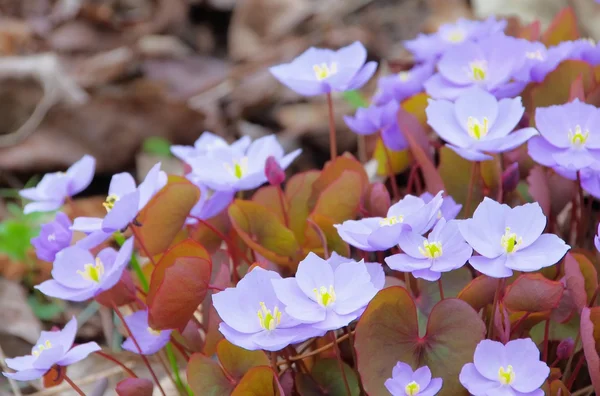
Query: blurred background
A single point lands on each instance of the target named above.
(123, 79)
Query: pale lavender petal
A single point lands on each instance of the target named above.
(243, 340)
(527, 221)
(477, 103)
(402, 373)
(233, 310)
(495, 267)
(554, 122)
(20, 362)
(67, 334)
(440, 116)
(405, 263)
(261, 149)
(122, 213)
(42, 206)
(52, 288)
(66, 265)
(298, 305)
(433, 388)
(115, 271)
(48, 357)
(475, 383)
(26, 375)
(427, 274)
(121, 184)
(362, 76)
(313, 272)
(438, 87)
(87, 224)
(377, 275)
(547, 250)
(422, 376)
(81, 174)
(510, 112)
(469, 154)
(454, 64)
(386, 236)
(78, 353)
(287, 159)
(507, 143)
(334, 320)
(153, 182)
(489, 217)
(542, 151)
(410, 242)
(575, 159)
(489, 356)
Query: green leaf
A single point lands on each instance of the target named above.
(45, 311)
(355, 99)
(157, 146)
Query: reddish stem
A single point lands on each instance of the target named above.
(224, 237)
(332, 137)
(322, 237)
(441, 287)
(471, 186)
(117, 362)
(180, 348)
(74, 386)
(282, 200)
(573, 376)
(144, 358)
(546, 340)
(340, 361)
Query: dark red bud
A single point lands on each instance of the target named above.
(565, 348)
(275, 175)
(511, 177)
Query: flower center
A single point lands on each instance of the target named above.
(110, 201)
(456, 36)
(537, 55)
(324, 296)
(477, 70)
(506, 376)
(578, 138)
(325, 70)
(431, 249)
(38, 349)
(51, 237)
(404, 76)
(510, 241)
(388, 221)
(239, 168)
(155, 333)
(92, 272)
(476, 129)
(412, 388)
(268, 320)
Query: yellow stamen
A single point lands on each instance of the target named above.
(431, 250)
(476, 129)
(477, 70)
(404, 76)
(537, 55)
(510, 241)
(506, 376)
(325, 297)
(388, 221)
(153, 332)
(268, 320)
(325, 70)
(92, 272)
(38, 349)
(239, 168)
(578, 138)
(412, 388)
(110, 201)
(456, 36)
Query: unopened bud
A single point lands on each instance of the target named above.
(511, 177)
(565, 348)
(275, 175)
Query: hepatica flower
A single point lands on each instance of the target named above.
(54, 237)
(374, 269)
(206, 144)
(375, 118)
(402, 85)
(477, 123)
(567, 136)
(320, 71)
(149, 340)
(233, 169)
(511, 369)
(377, 233)
(253, 317)
(78, 276)
(443, 250)
(430, 46)
(406, 382)
(54, 188)
(124, 201)
(328, 299)
(510, 239)
(488, 64)
(449, 209)
(52, 348)
(210, 204)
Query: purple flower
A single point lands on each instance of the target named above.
(325, 297)
(510, 239)
(406, 382)
(232, 169)
(207, 143)
(429, 46)
(52, 348)
(511, 369)
(78, 276)
(210, 204)
(374, 118)
(374, 269)
(54, 237)
(449, 209)
(443, 250)
(597, 239)
(253, 317)
(402, 85)
(590, 179)
(477, 123)
(54, 188)
(319, 71)
(376, 233)
(488, 63)
(149, 340)
(123, 202)
(567, 136)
